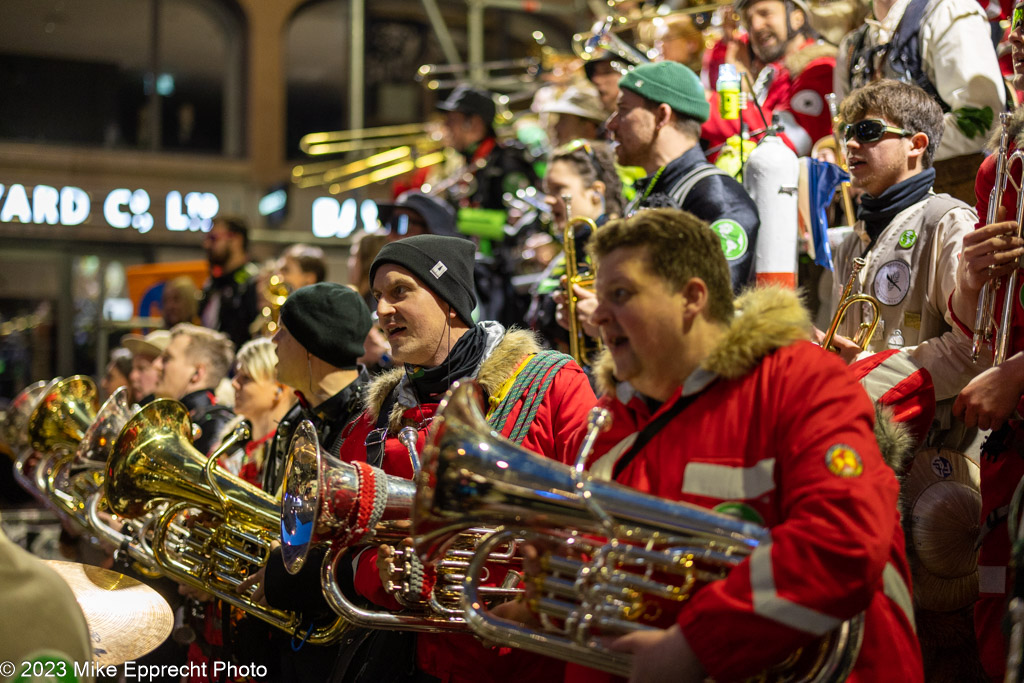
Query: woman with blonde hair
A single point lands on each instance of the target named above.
(260, 399)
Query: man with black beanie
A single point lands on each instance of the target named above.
(537, 398)
(321, 333)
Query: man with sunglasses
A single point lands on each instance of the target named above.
(944, 46)
(539, 399)
(993, 399)
(909, 236)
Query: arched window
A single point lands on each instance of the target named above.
(153, 74)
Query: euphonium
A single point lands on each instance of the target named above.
(985, 328)
(228, 540)
(15, 427)
(624, 556)
(579, 348)
(56, 428)
(27, 459)
(351, 503)
(847, 299)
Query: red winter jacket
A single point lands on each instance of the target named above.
(561, 414)
(780, 432)
(797, 89)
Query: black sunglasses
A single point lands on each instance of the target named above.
(870, 130)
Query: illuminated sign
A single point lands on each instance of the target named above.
(123, 208)
(332, 218)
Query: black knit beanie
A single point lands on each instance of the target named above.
(331, 321)
(443, 264)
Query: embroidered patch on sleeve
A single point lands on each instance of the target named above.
(843, 461)
(733, 236)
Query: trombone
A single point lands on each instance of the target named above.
(847, 299)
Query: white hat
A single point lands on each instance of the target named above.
(578, 103)
(153, 344)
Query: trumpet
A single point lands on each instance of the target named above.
(579, 347)
(847, 299)
(985, 329)
(228, 540)
(626, 560)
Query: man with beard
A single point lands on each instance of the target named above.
(792, 72)
(657, 125)
(230, 298)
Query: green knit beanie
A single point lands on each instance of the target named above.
(669, 83)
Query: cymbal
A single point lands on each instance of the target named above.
(126, 618)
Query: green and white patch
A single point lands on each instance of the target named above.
(733, 236)
(907, 239)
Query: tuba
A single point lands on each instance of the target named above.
(351, 503)
(985, 328)
(27, 459)
(625, 560)
(216, 529)
(847, 299)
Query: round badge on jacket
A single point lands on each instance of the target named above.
(908, 239)
(892, 282)
(733, 236)
(843, 461)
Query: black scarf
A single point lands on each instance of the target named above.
(431, 383)
(878, 212)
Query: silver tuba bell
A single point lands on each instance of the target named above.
(625, 560)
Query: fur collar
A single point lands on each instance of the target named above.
(767, 318)
(799, 60)
(514, 346)
(1015, 128)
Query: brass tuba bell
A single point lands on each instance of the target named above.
(217, 529)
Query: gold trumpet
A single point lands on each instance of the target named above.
(625, 559)
(985, 328)
(847, 299)
(580, 346)
(217, 529)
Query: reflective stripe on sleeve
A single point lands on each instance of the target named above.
(896, 590)
(729, 483)
(769, 604)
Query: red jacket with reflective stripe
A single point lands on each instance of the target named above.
(789, 442)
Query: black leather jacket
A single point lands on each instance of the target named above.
(209, 416)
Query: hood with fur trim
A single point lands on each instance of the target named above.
(767, 318)
(1015, 128)
(514, 346)
(799, 60)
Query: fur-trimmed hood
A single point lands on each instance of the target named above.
(1015, 128)
(767, 318)
(799, 60)
(497, 366)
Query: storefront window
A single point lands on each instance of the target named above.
(153, 74)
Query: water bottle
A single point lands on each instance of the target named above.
(728, 87)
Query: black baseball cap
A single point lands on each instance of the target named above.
(438, 215)
(470, 100)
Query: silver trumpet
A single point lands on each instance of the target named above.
(986, 330)
(623, 558)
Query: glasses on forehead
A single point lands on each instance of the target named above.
(575, 145)
(1017, 19)
(870, 130)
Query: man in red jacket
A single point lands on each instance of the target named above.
(539, 399)
(758, 421)
(791, 70)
